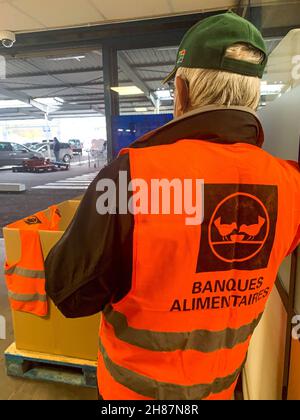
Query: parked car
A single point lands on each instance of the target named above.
(76, 146)
(29, 145)
(12, 154)
(65, 154)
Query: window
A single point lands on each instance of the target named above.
(18, 147)
(5, 147)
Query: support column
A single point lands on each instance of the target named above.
(111, 98)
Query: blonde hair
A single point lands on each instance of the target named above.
(215, 87)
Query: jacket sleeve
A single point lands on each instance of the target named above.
(91, 265)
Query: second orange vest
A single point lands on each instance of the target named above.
(26, 279)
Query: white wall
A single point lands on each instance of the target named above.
(263, 373)
(281, 123)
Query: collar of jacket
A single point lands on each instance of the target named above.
(218, 124)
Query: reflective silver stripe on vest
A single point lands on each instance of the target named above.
(201, 340)
(27, 298)
(24, 272)
(157, 390)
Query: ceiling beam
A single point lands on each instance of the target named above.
(31, 112)
(73, 85)
(131, 74)
(40, 107)
(242, 7)
(53, 73)
(50, 109)
(149, 32)
(67, 108)
(96, 96)
(128, 70)
(67, 114)
(76, 107)
(23, 97)
(83, 71)
(56, 86)
(80, 95)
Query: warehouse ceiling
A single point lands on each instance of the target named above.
(76, 81)
(72, 84)
(60, 73)
(33, 15)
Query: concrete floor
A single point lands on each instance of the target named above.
(20, 389)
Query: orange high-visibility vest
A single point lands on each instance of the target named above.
(198, 291)
(26, 279)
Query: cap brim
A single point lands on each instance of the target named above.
(170, 76)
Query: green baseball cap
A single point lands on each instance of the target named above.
(205, 44)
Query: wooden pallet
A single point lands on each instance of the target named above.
(50, 367)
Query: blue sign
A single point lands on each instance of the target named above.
(128, 128)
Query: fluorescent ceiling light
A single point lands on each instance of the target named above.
(76, 57)
(164, 94)
(13, 104)
(127, 90)
(141, 109)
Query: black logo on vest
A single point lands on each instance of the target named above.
(239, 227)
(33, 220)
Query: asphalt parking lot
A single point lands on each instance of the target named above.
(43, 189)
